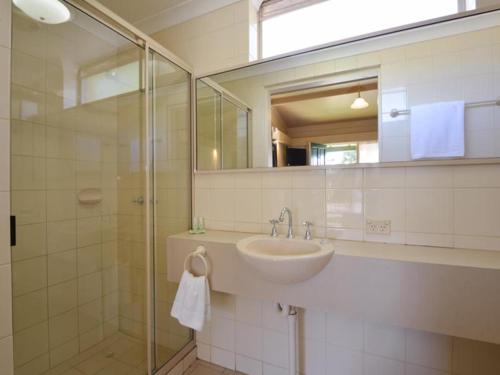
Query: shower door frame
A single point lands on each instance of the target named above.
(114, 22)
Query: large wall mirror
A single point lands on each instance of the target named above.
(426, 91)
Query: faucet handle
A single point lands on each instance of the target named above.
(274, 231)
(308, 234)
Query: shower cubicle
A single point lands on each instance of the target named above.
(100, 176)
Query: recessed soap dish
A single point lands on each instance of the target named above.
(90, 196)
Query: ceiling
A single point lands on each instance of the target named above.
(134, 11)
(151, 16)
(317, 109)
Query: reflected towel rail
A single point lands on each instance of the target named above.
(485, 103)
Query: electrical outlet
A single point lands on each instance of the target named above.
(378, 226)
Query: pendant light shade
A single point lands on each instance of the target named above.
(46, 11)
(359, 102)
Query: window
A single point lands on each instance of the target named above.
(112, 82)
(290, 25)
(351, 153)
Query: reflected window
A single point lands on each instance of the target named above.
(111, 82)
(290, 25)
(351, 153)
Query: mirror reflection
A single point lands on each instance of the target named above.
(426, 93)
(222, 128)
(326, 125)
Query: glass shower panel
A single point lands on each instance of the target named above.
(234, 136)
(171, 189)
(77, 180)
(208, 131)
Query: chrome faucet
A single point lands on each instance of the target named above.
(287, 211)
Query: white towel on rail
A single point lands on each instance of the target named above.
(192, 302)
(437, 130)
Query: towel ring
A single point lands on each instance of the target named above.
(201, 253)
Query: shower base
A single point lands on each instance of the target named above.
(116, 355)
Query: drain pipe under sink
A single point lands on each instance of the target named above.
(291, 313)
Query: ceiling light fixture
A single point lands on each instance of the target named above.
(46, 11)
(359, 102)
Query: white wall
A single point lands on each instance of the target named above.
(223, 38)
(6, 352)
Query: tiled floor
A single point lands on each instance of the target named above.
(205, 368)
(117, 355)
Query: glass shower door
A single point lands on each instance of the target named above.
(170, 127)
(78, 187)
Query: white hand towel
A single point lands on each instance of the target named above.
(437, 130)
(192, 302)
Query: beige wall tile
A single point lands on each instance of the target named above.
(62, 297)
(4, 154)
(386, 204)
(28, 206)
(29, 275)
(61, 266)
(89, 259)
(477, 212)
(63, 328)
(89, 287)
(37, 365)
(61, 205)
(64, 352)
(385, 341)
(27, 139)
(30, 241)
(5, 79)
(429, 210)
(6, 296)
(344, 208)
(31, 343)
(344, 331)
(30, 309)
(4, 228)
(344, 178)
(309, 205)
(61, 235)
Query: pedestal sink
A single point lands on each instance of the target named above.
(285, 261)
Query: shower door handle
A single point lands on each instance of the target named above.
(13, 239)
(139, 200)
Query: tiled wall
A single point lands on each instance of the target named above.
(220, 39)
(451, 206)
(62, 263)
(455, 206)
(65, 264)
(252, 337)
(6, 345)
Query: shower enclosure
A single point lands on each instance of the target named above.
(100, 176)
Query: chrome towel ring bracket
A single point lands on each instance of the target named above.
(201, 253)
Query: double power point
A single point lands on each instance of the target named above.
(378, 226)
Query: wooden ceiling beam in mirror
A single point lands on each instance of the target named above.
(323, 94)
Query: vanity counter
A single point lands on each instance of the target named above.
(449, 291)
(378, 250)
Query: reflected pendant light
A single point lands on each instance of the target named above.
(46, 11)
(359, 102)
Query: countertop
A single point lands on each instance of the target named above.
(375, 250)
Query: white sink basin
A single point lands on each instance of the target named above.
(283, 260)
